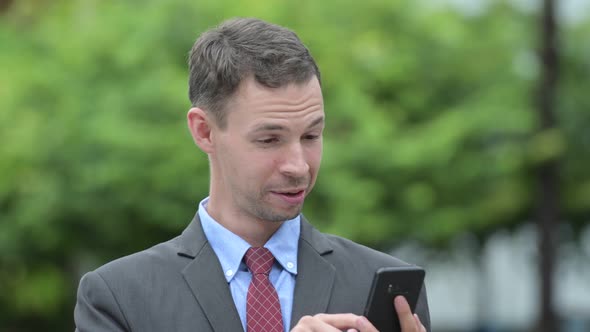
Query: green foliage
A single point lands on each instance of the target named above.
(429, 129)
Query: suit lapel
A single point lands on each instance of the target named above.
(206, 281)
(315, 276)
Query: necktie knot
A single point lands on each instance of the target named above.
(259, 260)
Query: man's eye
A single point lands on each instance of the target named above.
(269, 140)
(311, 137)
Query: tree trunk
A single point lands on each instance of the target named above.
(4, 5)
(547, 173)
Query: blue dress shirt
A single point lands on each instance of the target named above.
(230, 250)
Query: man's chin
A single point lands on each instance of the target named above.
(280, 216)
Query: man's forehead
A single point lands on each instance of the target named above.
(297, 100)
(250, 85)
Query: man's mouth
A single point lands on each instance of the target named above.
(292, 192)
(292, 197)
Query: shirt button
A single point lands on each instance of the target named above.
(229, 273)
(290, 265)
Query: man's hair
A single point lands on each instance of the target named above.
(241, 48)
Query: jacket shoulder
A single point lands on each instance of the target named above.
(347, 250)
(144, 269)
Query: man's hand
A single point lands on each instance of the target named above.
(333, 322)
(351, 322)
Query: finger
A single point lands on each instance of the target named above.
(313, 324)
(347, 321)
(340, 321)
(406, 319)
(365, 326)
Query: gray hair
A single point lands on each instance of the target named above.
(240, 48)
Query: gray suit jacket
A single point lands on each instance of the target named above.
(179, 285)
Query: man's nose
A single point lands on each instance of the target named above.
(294, 162)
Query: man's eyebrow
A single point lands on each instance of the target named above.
(278, 127)
(316, 122)
(268, 127)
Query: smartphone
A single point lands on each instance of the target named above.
(388, 283)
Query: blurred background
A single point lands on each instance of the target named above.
(458, 138)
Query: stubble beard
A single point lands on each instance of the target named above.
(265, 211)
(275, 216)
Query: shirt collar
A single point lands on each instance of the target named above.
(230, 248)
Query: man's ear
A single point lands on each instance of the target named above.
(200, 125)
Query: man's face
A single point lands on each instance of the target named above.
(265, 161)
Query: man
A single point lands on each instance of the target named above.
(258, 114)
